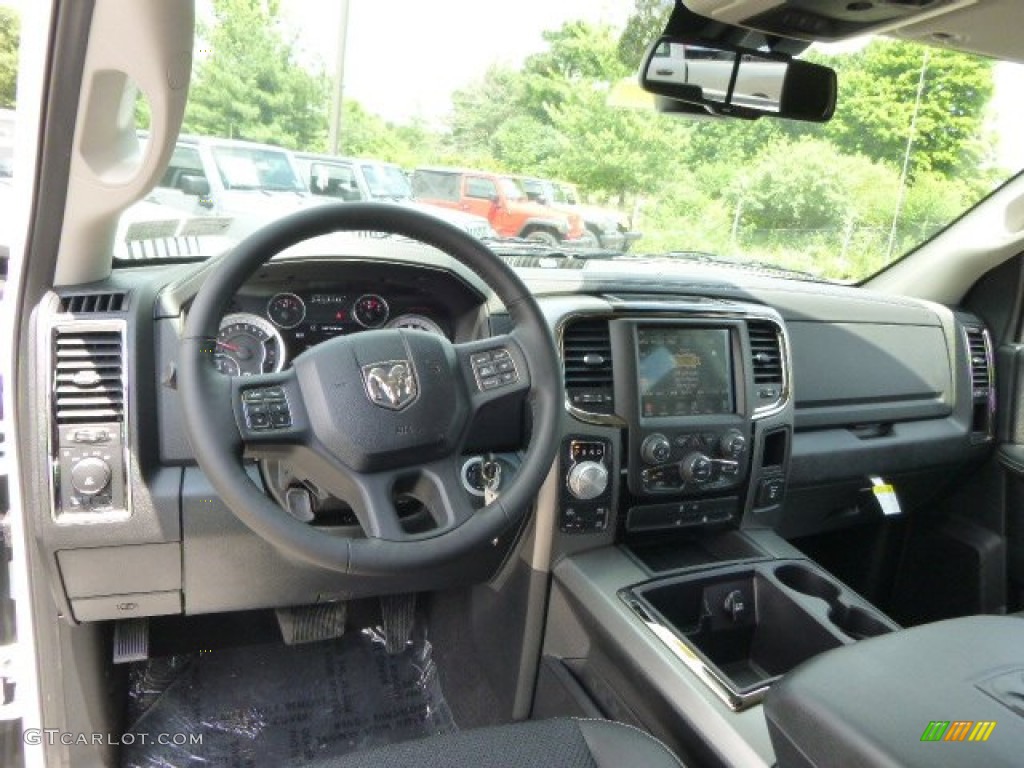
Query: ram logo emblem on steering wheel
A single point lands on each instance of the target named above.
(390, 383)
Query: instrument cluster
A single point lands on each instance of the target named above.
(264, 338)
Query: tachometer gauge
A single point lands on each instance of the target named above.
(370, 311)
(416, 323)
(247, 344)
(286, 310)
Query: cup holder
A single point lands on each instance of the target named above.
(804, 580)
(856, 622)
(853, 620)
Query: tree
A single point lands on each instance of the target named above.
(10, 34)
(645, 24)
(249, 85)
(877, 93)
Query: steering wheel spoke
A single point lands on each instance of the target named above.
(494, 369)
(269, 410)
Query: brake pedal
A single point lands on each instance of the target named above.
(131, 640)
(312, 623)
(397, 614)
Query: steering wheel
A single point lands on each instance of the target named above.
(373, 414)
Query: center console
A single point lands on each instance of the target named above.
(695, 399)
(674, 606)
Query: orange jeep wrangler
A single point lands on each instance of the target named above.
(501, 200)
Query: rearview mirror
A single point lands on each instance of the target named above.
(738, 82)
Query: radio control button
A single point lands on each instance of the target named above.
(656, 449)
(696, 468)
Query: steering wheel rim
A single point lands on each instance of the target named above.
(217, 425)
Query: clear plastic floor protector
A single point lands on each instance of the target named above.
(275, 705)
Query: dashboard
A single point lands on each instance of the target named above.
(690, 404)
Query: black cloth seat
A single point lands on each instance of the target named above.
(558, 743)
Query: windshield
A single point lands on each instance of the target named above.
(387, 181)
(920, 134)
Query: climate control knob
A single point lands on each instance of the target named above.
(588, 480)
(695, 468)
(732, 444)
(656, 449)
(90, 476)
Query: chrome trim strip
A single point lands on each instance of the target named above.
(688, 655)
(71, 325)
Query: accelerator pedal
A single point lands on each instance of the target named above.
(131, 640)
(312, 623)
(398, 614)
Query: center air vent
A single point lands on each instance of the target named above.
(87, 376)
(766, 363)
(587, 358)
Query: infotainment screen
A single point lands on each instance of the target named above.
(684, 371)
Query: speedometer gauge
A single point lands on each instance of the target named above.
(247, 344)
(416, 323)
(286, 310)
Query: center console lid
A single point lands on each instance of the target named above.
(943, 694)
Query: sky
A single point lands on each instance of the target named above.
(504, 33)
(497, 33)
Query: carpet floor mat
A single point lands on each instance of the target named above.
(276, 705)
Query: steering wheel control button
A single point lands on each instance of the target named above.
(494, 368)
(266, 408)
(90, 476)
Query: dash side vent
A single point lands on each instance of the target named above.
(587, 361)
(90, 303)
(979, 351)
(981, 361)
(88, 384)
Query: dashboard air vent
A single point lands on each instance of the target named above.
(87, 376)
(981, 361)
(88, 303)
(765, 352)
(766, 363)
(983, 399)
(587, 358)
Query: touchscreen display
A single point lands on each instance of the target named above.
(684, 371)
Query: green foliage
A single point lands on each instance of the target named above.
(877, 91)
(822, 199)
(645, 24)
(248, 85)
(10, 34)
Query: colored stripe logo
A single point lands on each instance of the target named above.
(958, 730)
